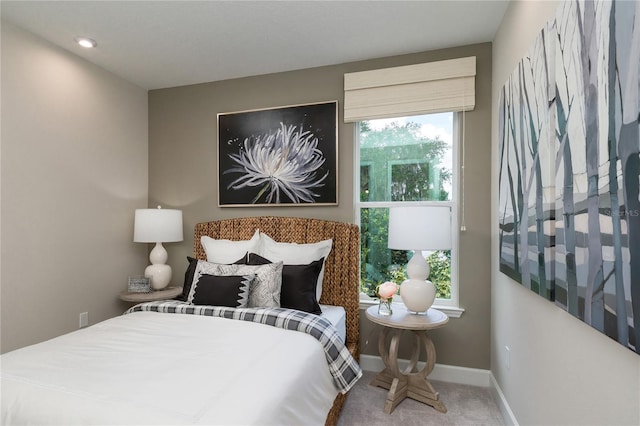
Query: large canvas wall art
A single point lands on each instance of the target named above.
(593, 220)
(526, 171)
(279, 156)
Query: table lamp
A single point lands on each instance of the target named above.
(419, 228)
(158, 226)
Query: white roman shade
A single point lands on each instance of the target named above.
(410, 90)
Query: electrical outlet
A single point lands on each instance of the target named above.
(507, 357)
(84, 319)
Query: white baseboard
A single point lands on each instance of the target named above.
(505, 409)
(453, 374)
(444, 373)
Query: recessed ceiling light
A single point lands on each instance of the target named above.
(86, 42)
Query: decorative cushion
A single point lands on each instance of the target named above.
(188, 278)
(227, 251)
(264, 291)
(228, 290)
(298, 284)
(295, 254)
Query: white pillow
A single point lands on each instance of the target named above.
(295, 254)
(227, 251)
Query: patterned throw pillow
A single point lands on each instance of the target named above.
(265, 293)
(228, 290)
(265, 290)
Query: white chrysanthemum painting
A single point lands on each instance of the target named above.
(285, 162)
(278, 156)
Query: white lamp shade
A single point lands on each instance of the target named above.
(420, 228)
(157, 226)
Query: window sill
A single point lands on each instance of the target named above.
(451, 311)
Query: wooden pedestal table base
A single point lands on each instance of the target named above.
(409, 383)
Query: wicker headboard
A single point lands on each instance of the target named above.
(340, 284)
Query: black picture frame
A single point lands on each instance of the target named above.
(281, 156)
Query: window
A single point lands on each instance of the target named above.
(406, 160)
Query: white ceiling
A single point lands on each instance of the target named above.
(157, 44)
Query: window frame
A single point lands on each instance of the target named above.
(450, 306)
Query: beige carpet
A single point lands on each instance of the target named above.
(466, 405)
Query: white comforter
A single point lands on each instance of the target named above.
(156, 368)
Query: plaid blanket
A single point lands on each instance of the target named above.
(343, 367)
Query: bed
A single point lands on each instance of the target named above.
(176, 362)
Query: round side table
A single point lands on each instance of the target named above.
(411, 382)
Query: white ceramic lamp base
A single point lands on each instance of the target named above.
(417, 295)
(417, 292)
(418, 267)
(159, 272)
(160, 275)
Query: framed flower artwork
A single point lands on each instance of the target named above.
(284, 156)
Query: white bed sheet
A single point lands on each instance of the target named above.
(338, 317)
(155, 368)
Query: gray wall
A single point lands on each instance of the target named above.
(183, 174)
(561, 370)
(74, 168)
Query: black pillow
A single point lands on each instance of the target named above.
(227, 290)
(299, 283)
(188, 278)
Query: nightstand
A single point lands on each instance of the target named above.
(166, 293)
(409, 383)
